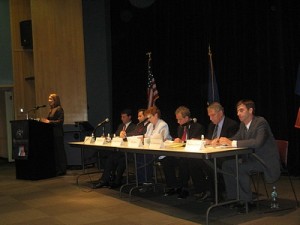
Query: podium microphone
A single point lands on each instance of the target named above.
(39, 106)
(33, 109)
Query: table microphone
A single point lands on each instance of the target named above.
(192, 120)
(104, 121)
(99, 125)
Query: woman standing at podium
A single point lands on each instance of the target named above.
(56, 117)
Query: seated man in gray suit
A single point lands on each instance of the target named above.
(201, 173)
(254, 132)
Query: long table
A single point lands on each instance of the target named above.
(209, 153)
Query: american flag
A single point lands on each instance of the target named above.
(152, 89)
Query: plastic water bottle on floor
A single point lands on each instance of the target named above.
(274, 195)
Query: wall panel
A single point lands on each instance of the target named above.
(22, 60)
(59, 55)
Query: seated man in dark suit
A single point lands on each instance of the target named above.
(202, 175)
(143, 161)
(187, 129)
(115, 164)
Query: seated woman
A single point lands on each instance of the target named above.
(157, 127)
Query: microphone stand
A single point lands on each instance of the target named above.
(94, 131)
(33, 109)
(93, 134)
(93, 138)
(27, 113)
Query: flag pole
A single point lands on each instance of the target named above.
(150, 96)
(149, 55)
(211, 72)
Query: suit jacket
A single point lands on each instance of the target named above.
(140, 129)
(194, 130)
(130, 128)
(260, 138)
(229, 128)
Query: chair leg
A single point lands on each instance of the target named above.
(257, 185)
(265, 187)
(253, 182)
(259, 177)
(297, 203)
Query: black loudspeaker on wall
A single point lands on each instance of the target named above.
(26, 34)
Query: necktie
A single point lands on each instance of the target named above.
(124, 127)
(246, 132)
(183, 138)
(215, 133)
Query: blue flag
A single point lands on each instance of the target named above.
(213, 92)
(297, 92)
(297, 88)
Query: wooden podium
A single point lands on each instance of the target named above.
(33, 151)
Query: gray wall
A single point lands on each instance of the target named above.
(97, 44)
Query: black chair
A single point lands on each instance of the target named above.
(283, 154)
